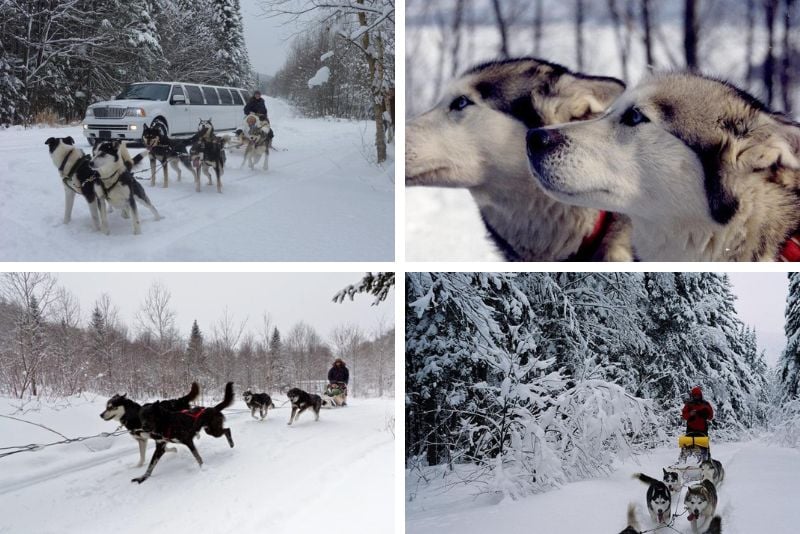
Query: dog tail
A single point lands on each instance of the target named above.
(192, 395)
(271, 404)
(715, 527)
(228, 399)
(646, 479)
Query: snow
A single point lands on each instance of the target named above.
(320, 200)
(755, 497)
(333, 476)
(326, 55)
(322, 76)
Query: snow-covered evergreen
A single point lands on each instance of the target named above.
(789, 364)
(542, 378)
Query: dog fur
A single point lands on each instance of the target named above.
(474, 139)
(205, 155)
(705, 171)
(701, 502)
(633, 525)
(659, 499)
(168, 152)
(76, 174)
(301, 401)
(115, 185)
(258, 401)
(673, 479)
(121, 408)
(258, 145)
(713, 471)
(166, 426)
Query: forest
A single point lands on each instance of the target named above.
(537, 379)
(51, 348)
(59, 56)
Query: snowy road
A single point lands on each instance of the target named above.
(757, 496)
(276, 479)
(320, 201)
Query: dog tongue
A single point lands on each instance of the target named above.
(691, 517)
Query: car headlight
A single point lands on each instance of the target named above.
(85, 126)
(135, 112)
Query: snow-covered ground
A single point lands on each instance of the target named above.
(334, 476)
(756, 496)
(444, 224)
(321, 200)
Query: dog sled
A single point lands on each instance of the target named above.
(335, 395)
(694, 450)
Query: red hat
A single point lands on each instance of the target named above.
(697, 392)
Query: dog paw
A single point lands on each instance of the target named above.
(139, 480)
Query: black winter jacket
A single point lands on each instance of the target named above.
(339, 374)
(256, 106)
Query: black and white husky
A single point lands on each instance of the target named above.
(258, 401)
(116, 185)
(258, 145)
(301, 401)
(121, 408)
(168, 152)
(659, 500)
(713, 471)
(701, 503)
(77, 176)
(205, 155)
(673, 479)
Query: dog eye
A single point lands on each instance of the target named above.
(633, 116)
(460, 103)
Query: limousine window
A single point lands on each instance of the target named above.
(195, 96)
(176, 90)
(237, 97)
(211, 96)
(244, 95)
(145, 91)
(225, 96)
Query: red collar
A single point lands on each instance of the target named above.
(791, 249)
(591, 243)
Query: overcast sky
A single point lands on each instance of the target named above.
(287, 297)
(267, 39)
(761, 302)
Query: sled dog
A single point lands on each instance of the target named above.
(258, 145)
(633, 525)
(258, 401)
(475, 139)
(168, 152)
(715, 527)
(121, 408)
(659, 500)
(207, 155)
(335, 395)
(701, 502)
(167, 426)
(115, 185)
(713, 471)
(673, 479)
(704, 170)
(301, 401)
(77, 176)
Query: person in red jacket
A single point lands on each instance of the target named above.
(697, 412)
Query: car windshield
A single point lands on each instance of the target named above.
(145, 91)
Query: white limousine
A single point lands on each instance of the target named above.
(174, 107)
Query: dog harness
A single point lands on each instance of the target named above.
(67, 178)
(102, 180)
(591, 243)
(791, 249)
(194, 413)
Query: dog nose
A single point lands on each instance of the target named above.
(540, 139)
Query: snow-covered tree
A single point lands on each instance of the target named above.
(232, 52)
(789, 364)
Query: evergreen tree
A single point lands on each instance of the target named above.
(789, 364)
(230, 37)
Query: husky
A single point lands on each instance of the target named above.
(704, 170)
(258, 145)
(121, 408)
(168, 152)
(475, 139)
(116, 186)
(167, 426)
(659, 499)
(77, 176)
(633, 525)
(713, 471)
(335, 395)
(715, 527)
(301, 401)
(258, 401)
(673, 479)
(205, 130)
(701, 502)
(205, 155)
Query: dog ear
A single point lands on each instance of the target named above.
(50, 141)
(69, 140)
(587, 97)
(771, 146)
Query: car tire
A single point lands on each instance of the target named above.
(161, 124)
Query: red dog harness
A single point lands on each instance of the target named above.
(591, 243)
(791, 249)
(194, 413)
